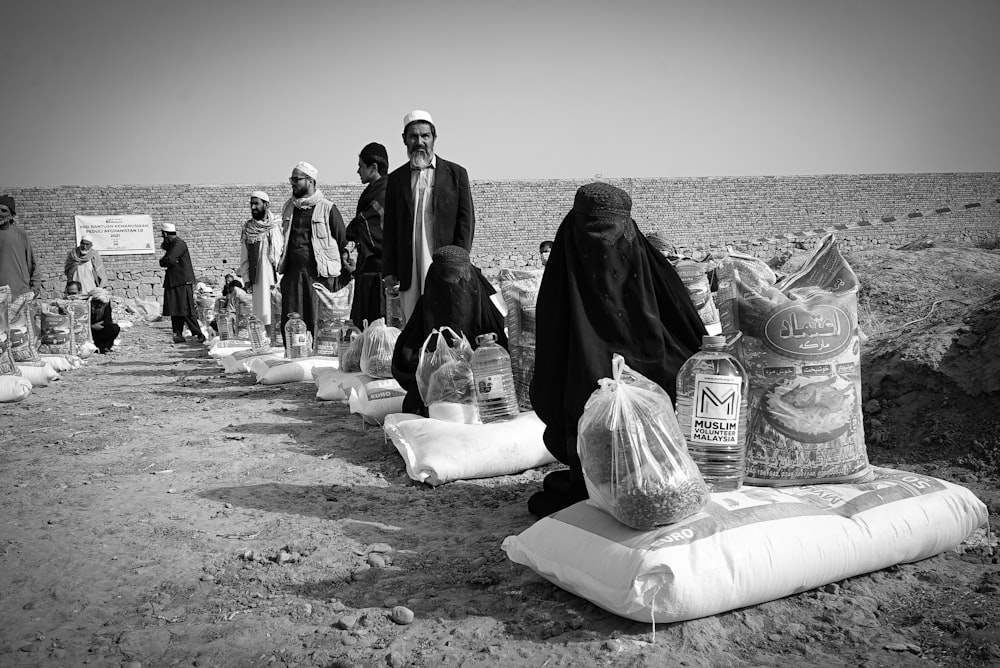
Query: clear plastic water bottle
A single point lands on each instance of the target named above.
(494, 380)
(258, 335)
(328, 338)
(225, 322)
(296, 337)
(712, 412)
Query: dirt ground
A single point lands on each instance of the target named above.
(158, 512)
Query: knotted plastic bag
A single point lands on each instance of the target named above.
(634, 456)
(444, 373)
(378, 342)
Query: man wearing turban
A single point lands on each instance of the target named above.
(315, 247)
(261, 244)
(84, 265)
(18, 268)
(428, 204)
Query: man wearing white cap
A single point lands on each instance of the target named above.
(428, 204)
(178, 281)
(260, 251)
(84, 265)
(315, 246)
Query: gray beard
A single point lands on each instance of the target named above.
(420, 160)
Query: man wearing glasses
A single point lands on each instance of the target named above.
(315, 248)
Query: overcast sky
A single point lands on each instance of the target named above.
(238, 91)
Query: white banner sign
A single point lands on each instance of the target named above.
(118, 235)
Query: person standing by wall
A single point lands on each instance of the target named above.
(18, 268)
(178, 293)
(365, 230)
(315, 246)
(428, 204)
(261, 244)
(84, 265)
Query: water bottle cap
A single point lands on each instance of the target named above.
(486, 338)
(714, 341)
(293, 314)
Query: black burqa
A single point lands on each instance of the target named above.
(456, 295)
(605, 290)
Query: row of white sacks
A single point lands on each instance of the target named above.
(40, 374)
(746, 547)
(47, 369)
(435, 451)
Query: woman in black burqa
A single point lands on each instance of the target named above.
(605, 290)
(456, 295)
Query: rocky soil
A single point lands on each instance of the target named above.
(158, 512)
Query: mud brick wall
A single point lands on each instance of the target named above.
(760, 215)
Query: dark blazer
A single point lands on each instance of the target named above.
(177, 261)
(454, 219)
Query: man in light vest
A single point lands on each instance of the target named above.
(315, 248)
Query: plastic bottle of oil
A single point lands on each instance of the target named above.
(494, 380)
(296, 337)
(712, 412)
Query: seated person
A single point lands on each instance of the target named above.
(241, 306)
(457, 295)
(233, 290)
(605, 290)
(544, 250)
(103, 328)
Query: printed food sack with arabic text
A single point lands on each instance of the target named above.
(801, 346)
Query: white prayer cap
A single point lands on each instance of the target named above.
(168, 227)
(100, 294)
(261, 195)
(86, 237)
(417, 115)
(308, 169)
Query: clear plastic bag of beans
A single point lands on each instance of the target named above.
(634, 456)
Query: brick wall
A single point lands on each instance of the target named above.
(760, 215)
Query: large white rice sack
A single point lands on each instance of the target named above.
(14, 388)
(226, 348)
(278, 371)
(437, 452)
(373, 398)
(749, 546)
(40, 375)
(239, 361)
(86, 349)
(329, 384)
(62, 362)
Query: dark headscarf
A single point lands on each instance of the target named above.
(605, 290)
(9, 201)
(457, 295)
